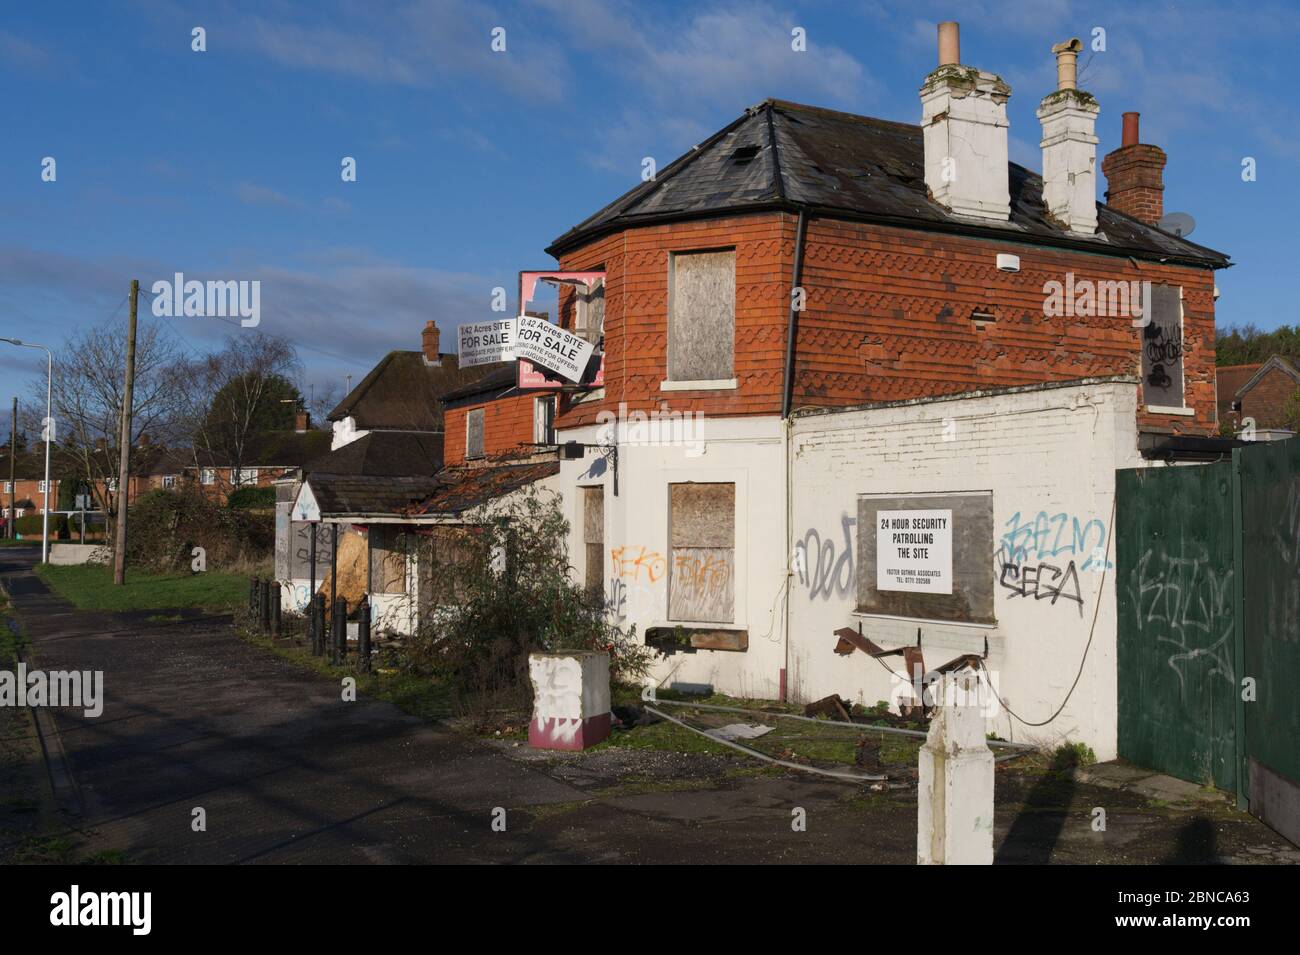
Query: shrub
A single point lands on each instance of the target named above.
(163, 527)
(503, 588)
(29, 525)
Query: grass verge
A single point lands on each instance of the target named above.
(91, 587)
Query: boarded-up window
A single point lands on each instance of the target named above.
(1162, 349)
(387, 559)
(701, 316)
(702, 530)
(936, 562)
(474, 433)
(593, 538)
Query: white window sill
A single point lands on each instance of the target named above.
(921, 620)
(715, 384)
(1161, 409)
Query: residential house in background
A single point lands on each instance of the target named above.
(386, 446)
(1254, 397)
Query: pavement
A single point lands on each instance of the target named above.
(285, 771)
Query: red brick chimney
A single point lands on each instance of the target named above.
(302, 421)
(430, 337)
(1135, 177)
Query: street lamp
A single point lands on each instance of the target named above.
(49, 436)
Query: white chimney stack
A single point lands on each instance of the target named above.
(964, 122)
(1069, 118)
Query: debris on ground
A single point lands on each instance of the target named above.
(830, 707)
(735, 731)
(626, 717)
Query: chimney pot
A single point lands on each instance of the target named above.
(430, 340)
(1067, 57)
(1135, 176)
(1130, 129)
(949, 43)
(302, 421)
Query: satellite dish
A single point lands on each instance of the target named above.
(1178, 223)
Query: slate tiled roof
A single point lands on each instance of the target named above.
(273, 449)
(497, 379)
(350, 495)
(383, 453)
(402, 392)
(786, 156)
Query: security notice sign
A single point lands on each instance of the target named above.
(914, 551)
(482, 343)
(540, 342)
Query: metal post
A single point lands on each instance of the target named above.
(363, 636)
(275, 608)
(124, 451)
(318, 624)
(311, 590)
(340, 631)
(264, 606)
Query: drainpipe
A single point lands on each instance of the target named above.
(796, 276)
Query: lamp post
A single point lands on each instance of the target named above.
(49, 437)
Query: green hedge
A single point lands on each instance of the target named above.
(252, 497)
(29, 525)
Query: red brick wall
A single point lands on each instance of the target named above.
(1265, 401)
(636, 314)
(887, 317)
(507, 424)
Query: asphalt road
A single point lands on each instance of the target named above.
(286, 772)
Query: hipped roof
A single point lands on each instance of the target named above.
(787, 156)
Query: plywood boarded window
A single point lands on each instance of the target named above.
(387, 559)
(474, 433)
(593, 539)
(701, 316)
(702, 531)
(1162, 348)
(300, 535)
(967, 536)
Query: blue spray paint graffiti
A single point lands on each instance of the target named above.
(1049, 536)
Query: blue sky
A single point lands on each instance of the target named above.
(226, 164)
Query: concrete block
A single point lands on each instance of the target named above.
(955, 790)
(570, 699)
(68, 554)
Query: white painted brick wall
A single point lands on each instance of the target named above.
(1051, 451)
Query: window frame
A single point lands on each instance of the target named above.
(670, 383)
(470, 455)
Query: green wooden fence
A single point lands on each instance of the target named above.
(1208, 573)
(1174, 568)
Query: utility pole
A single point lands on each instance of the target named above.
(124, 458)
(13, 456)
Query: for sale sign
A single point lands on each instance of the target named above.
(914, 551)
(482, 343)
(540, 342)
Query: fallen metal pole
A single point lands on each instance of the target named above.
(809, 719)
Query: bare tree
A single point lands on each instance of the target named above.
(236, 394)
(89, 382)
